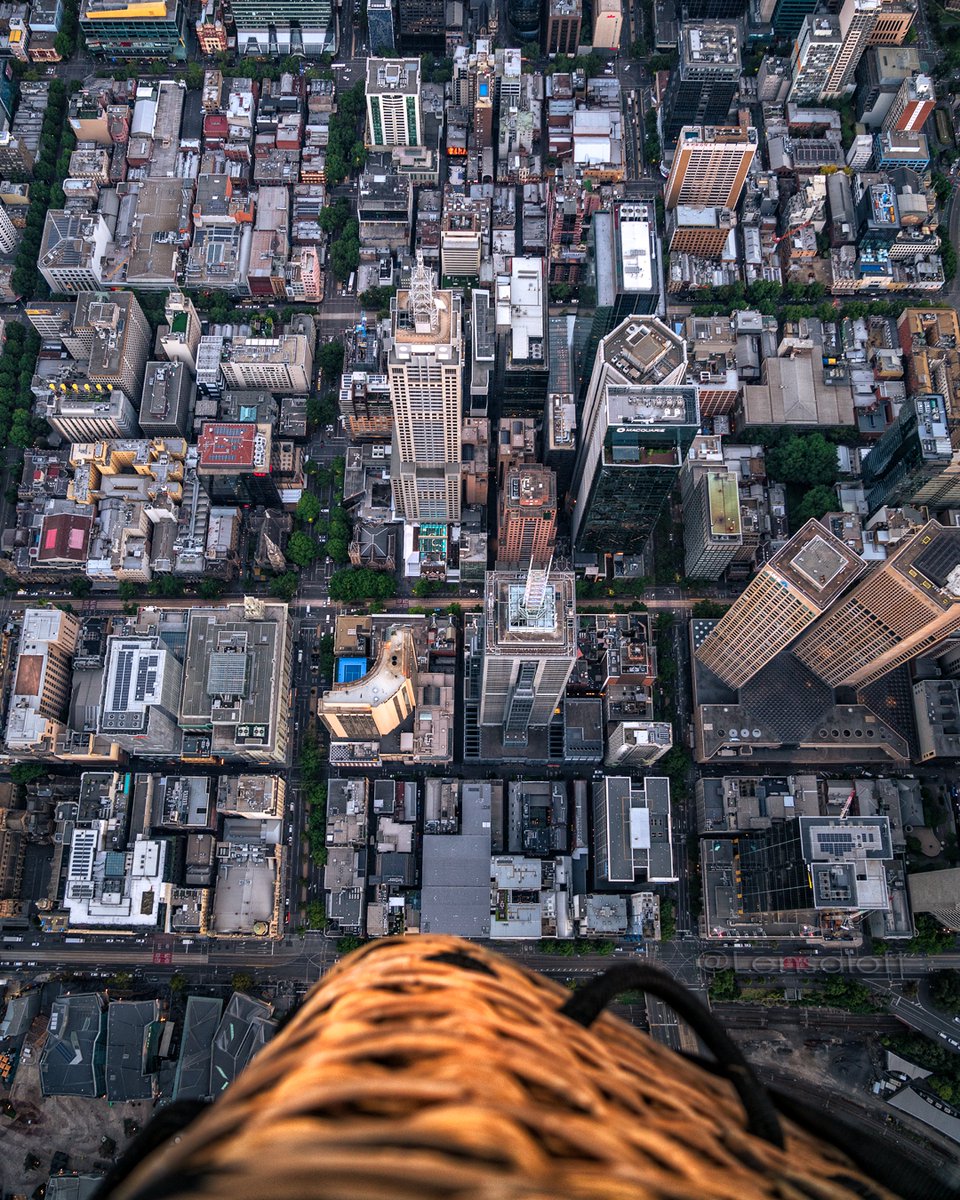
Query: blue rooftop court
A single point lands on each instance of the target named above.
(349, 670)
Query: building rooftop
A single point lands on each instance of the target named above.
(245, 1027)
(533, 611)
(644, 350)
(72, 1061)
(133, 1028)
(234, 446)
(710, 48)
(192, 1080)
(400, 75)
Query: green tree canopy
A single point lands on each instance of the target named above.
(285, 586)
(361, 583)
(302, 549)
(945, 990)
(308, 508)
(804, 458)
(817, 501)
(330, 360)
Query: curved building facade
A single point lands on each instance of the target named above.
(525, 18)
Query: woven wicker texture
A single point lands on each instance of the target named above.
(428, 1068)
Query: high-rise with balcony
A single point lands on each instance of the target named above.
(710, 166)
(783, 600)
(905, 607)
(527, 516)
(424, 369)
(393, 102)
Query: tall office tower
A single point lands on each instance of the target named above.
(638, 422)
(530, 625)
(703, 86)
(911, 106)
(140, 697)
(8, 232)
(788, 16)
(783, 599)
(903, 608)
(284, 27)
(423, 26)
(711, 10)
(40, 695)
(181, 338)
(894, 22)
(393, 102)
(561, 34)
(121, 339)
(710, 166)
(527, 516)
(383, 38)
(814, 53)
(913, 461)
(607, 24)
(857, 21)
(710, 497)
(524, 18)
(424, 368)
(634, 442)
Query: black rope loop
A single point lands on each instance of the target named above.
(586, 1004)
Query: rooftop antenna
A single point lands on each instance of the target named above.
(535, 588)
(421, 305)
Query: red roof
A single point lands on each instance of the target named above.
(224, 444)
(215, 125)
(64, 538)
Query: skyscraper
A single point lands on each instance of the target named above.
(530, 647)
(912, 105)
(380, 26)
(639, 420)
(523, 17)
(424, 369)
(561, 33)
(712, 533)
(703, 86)
(528, 516)
(710, 166)
(814, 54)
(857, 21)
(393, 102)
(422, 26)
(913, 461)
(786, 596)
(893, 23)
(902, 609)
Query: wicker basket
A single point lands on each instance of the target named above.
(426, 1067)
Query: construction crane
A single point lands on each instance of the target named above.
(792, 229)
(849, 801)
